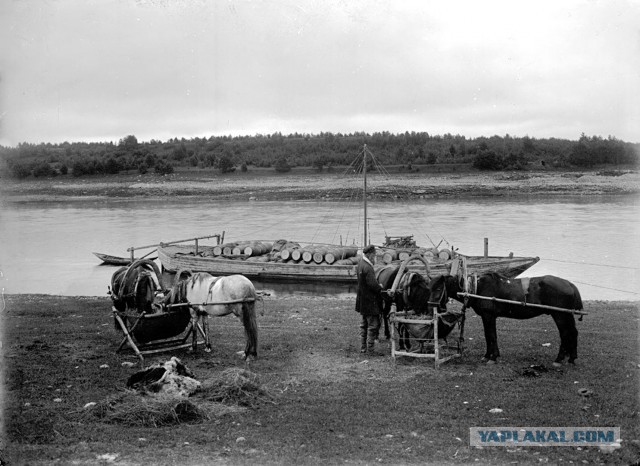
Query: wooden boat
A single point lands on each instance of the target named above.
(115, 260)
(174, 257)
(284, 260)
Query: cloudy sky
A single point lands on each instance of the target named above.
(78, 70)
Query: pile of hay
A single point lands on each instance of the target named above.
(130, 408)
(237, 387)
(233, 390)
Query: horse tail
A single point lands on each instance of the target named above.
(250, 324)
(577, 298)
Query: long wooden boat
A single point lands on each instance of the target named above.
(108, 259)
(284, 260)
(174, 257)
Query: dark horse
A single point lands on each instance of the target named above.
(413, 294)
(134, 291)
(547, 290)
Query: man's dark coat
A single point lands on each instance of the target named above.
(368, 294)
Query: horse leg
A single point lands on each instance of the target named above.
(566, 324)
(385, 318)
(491, 338)
(573, 349)
(207, 338)
(194, 329)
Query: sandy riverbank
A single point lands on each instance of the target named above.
(308, 185)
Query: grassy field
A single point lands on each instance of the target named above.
(330, 404)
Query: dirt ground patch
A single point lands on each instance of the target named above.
(330, 404)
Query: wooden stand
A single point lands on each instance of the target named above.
(441, 352)
(154, 346)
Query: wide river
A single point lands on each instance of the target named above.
(47, 247)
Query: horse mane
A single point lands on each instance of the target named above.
(176, 294)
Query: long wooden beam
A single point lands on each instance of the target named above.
(520, 303)
(135, 248)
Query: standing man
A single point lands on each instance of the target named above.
(368, 299)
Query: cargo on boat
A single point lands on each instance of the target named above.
(325, 263)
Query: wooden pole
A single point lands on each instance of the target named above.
(147, 254)
(508, 301)
(486, 248)
(128, 338)
(175, 242)
(364, 193)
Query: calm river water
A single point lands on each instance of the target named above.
(592, 241)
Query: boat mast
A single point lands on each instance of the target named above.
(364, 193)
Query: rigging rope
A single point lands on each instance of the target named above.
(591, 263)
(606, 287)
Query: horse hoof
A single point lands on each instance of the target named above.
(556, 364)
(207, 350)
(484, 359)
(491, 362)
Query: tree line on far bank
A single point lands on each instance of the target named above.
(324, 150)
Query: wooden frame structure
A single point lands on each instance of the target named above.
(440, 352)
(154, 346)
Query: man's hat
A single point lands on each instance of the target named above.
(368, 249)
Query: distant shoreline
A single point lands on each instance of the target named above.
(309, 185)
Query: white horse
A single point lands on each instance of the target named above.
(218, 296)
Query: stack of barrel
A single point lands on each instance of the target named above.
(287, 251)
(390, 255)
(340, 255)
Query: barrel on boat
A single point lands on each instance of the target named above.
(390, 256)
(286, 251)
(318, 255)
(307, 255)
(444, 254)
(336, 254)
(293, 255)
(221, 248)
(404, 254)
(257, 248)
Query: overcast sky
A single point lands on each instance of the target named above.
(77, 70)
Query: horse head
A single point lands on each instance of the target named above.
(134, 287)
(444, 287)
(416, 293)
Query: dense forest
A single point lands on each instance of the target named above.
(409, 150)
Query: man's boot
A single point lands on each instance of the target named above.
(363, 344)
(371, 346)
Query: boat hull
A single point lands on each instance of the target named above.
(115, 260)
(174, 258)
